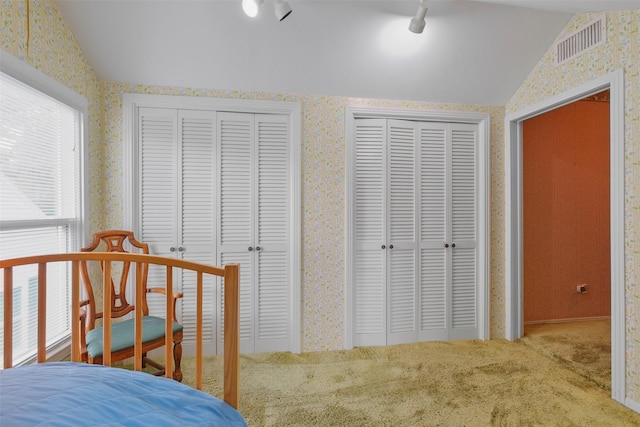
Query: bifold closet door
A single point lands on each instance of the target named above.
(414, 228)
(384, 274)
(196, 220)
(176, 212)
(253, 218)
(464, 226)
(158, 180)
(448, 227)
(369, 205)
(401, 231)
(434, 199)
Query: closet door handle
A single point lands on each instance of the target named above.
(390, 246)
(446, 245)
(180, 249)
(250, 248)
(384, 247)
(172, 249)
(258, 248)
(453, 245)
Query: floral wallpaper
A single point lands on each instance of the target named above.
(621, 51)
(42, 39)
(323, 204)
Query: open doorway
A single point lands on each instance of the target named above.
(565, 221)
(566, 236)
(514, 307)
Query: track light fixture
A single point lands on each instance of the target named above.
(281, 8)
(418, 22)
(251, 7)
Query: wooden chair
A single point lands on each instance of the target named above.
(122, 332)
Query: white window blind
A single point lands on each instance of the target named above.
(40, 205)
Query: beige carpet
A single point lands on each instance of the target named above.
(583, 347)
(461, 383)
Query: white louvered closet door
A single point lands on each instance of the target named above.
(463, 248)
(433, 232)
(369, 204)
(236, 232)
(158, 187)
(385, 240)
(448, 279)
(196, 220)
(401, 243)
(158, 147)
(272, 301)
(415, 220)
(253, 218)
(177, 207)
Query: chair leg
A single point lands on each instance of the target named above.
(177, 357)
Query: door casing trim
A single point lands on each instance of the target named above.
(514, 320)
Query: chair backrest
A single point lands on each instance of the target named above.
(112, 241)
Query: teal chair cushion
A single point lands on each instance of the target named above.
(122, 334)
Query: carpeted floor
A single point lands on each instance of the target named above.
(459, 383)
(583, 347)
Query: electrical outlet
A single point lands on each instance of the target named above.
(581, 288)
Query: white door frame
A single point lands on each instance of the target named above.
(514, 321)
(483, 120)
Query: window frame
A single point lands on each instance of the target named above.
(28, 75)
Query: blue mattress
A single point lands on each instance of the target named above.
(78, 394)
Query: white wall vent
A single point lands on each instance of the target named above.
(583, 40)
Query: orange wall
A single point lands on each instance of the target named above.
(566, 213)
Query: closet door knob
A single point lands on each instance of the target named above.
(384, 247)
(258, 248)
(446, 245)
(453, 245)
(250, 248)
(180, 249)
(390, 246)
(172, 249)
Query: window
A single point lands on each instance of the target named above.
(40, 202)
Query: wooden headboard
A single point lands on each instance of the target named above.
(229, 272)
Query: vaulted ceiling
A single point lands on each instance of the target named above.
(471, 52)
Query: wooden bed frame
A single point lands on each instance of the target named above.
(229, 272)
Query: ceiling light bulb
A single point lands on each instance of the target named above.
(282, 9)
(251, 7)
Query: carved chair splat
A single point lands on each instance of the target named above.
(122, 330)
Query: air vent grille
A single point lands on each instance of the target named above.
(582, 40)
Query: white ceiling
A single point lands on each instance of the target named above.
(471, 52)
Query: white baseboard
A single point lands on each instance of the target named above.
(577, 319)
(632, 404)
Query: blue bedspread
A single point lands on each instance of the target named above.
(78, 394)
